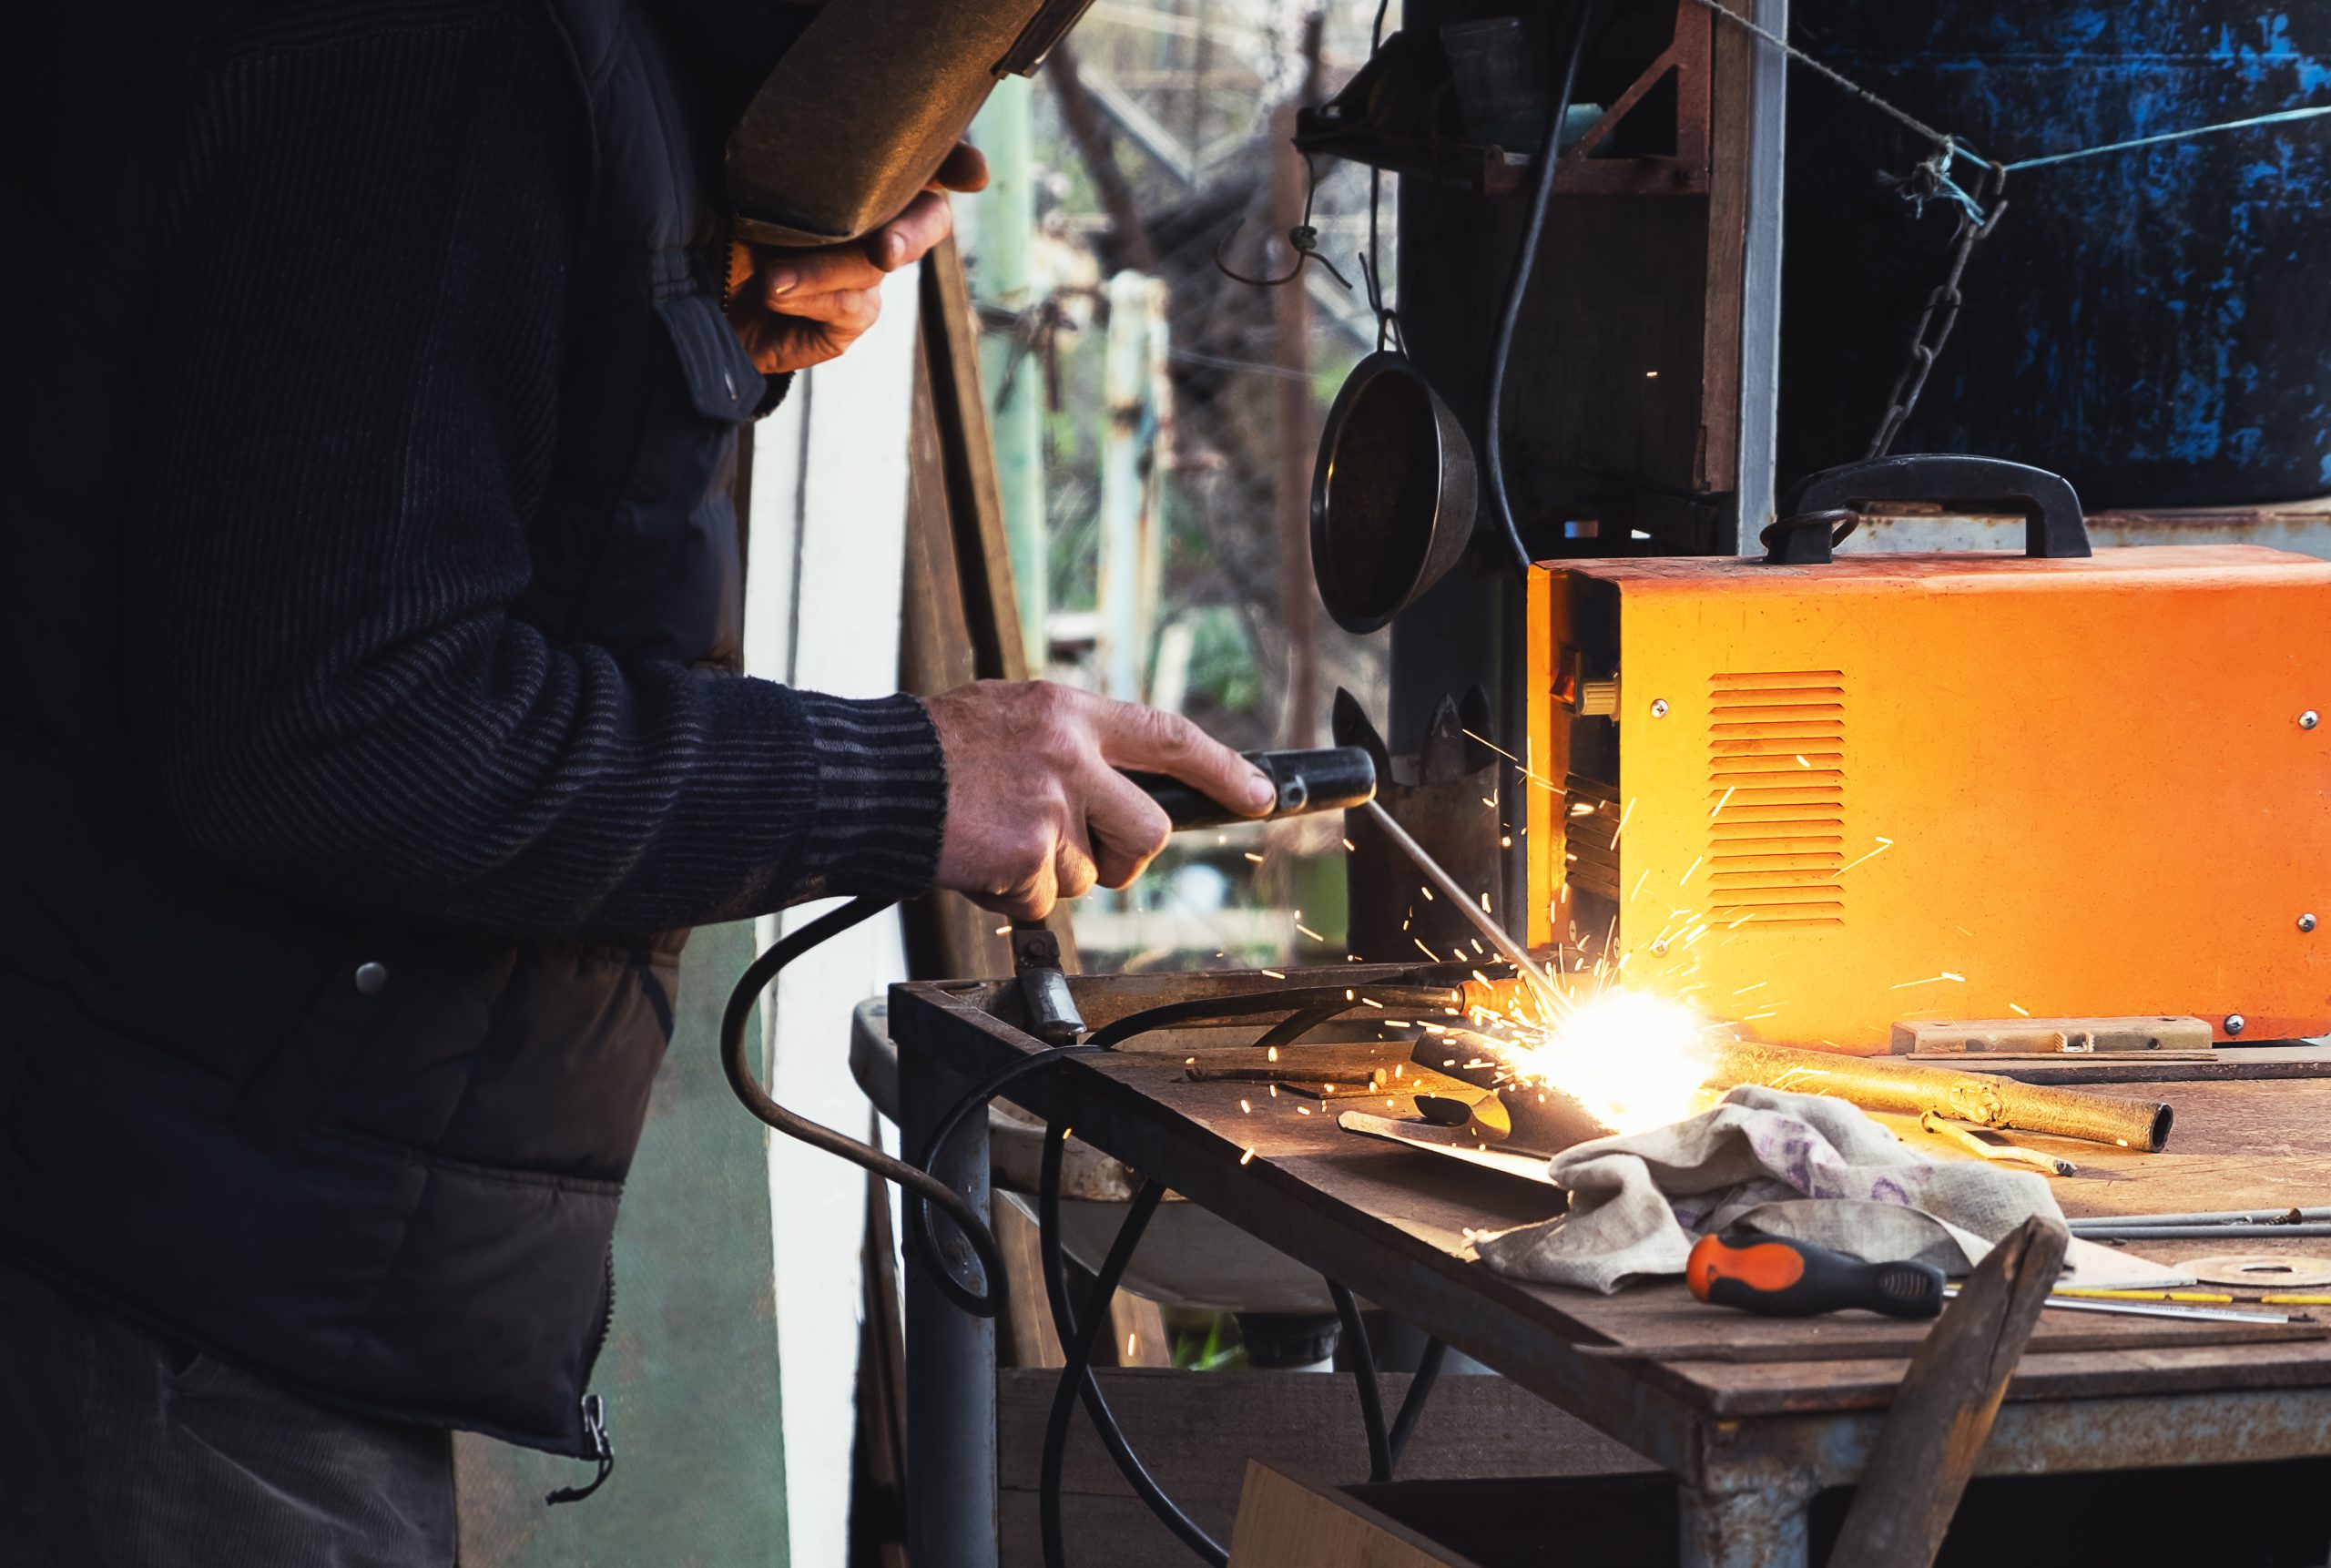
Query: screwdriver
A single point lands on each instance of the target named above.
(1779, 1278)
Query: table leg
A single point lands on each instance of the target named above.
(1763, 1528)
(951, 1355)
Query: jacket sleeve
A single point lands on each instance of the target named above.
(349, 406)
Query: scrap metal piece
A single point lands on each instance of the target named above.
(1985, 1143)
(1052, 1017)
(2052, 1036)
(2256, 1270)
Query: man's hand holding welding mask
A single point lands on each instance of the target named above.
(1037, 807)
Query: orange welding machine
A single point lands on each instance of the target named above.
(1823, 798)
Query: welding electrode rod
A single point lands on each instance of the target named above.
(2280, 1218)
(1512, 951)
(1981, 1097)
(2204, 1232)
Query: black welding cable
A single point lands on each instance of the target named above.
(1096, 1405)
(1363, 1373)
(1525, 261)
(1080, 1366)
(1428, 1373)
(1292, 998)
(1295, 1025)
(911, 1179)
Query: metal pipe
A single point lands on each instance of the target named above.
(1968, 1097)
(2205, 1232)
(2281, 1218)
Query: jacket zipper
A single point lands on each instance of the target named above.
(594, 1409)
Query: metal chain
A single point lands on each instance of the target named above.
(1940, 314)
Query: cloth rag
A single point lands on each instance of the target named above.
(1806, 1167)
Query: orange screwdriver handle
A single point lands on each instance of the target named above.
(1782, 1278)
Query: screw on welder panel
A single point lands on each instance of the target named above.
(2306, 922)
(371, 979)
(2309, 719)
(2235, 1023)
(1659, 707)
(1659, 948)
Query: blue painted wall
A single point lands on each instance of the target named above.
(2154, 323)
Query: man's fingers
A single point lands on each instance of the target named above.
(905, 239)
(965, 169)
(1143, 738)
(1073, 871)
(851, 311)
(1126, 827)
(792, 276)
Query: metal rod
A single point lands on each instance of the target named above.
(1512, 951)
(2205, 1232)
(2275, 1217)
(2153, 1309)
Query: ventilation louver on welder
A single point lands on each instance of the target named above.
(1777, 788)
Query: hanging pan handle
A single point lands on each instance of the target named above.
(1825, 507)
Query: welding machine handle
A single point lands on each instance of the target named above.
(1307, 781)
(2055, 527)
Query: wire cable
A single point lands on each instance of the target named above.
(1428, 1373)
(1525, 261)
(916, 1182)
(1294, 998)
(1096, 1405)
(1079, 1368)
(1363, 1373)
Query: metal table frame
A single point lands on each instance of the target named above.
(1748, 1481)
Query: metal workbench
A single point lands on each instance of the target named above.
(1751, 1442)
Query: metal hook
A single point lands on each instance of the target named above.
(1303, 238)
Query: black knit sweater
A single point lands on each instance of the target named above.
(346, 359)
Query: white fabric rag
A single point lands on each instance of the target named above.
(1806, 1167)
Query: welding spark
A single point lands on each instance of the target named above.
(1622, 824)
(1004, 930)
(1744, 990)
(1253, 857)
(1883, 845)
(1306, 931)
(1726, 801)
(1931, 980)
(1801, 762)
(1428, 893)
(1349, 845)
(1248, 1155)
(1689, 870)
(1429, 954)
(1274, 975)
(1639, 883)
(1245, 1109)
(2017, 1011)
(1272, 1055)
(1584, 809)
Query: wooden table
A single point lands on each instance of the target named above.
(1751, 1442)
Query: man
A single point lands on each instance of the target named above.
(369, 611)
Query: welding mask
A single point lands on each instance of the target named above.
(868, 102)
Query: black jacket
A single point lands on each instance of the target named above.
(370, 597)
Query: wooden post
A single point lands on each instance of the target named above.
(1925, 1452)
(1290, 189)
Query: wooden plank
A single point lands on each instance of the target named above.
(974, 503)
(1137, 1332)
(1284, 1523)
(1028, 1339)
(1194, 1430)
(1937, 1424)
(2050, 1036)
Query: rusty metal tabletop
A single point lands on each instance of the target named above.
(1752, 1440)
